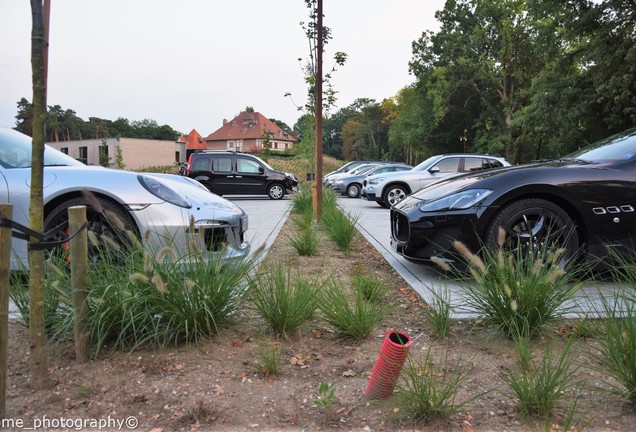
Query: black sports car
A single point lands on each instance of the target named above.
(583, 202)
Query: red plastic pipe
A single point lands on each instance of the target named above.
(388, 367)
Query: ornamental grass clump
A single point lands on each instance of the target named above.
(618, 328)
(340, 227)
(159, 299)
(285, 299)
(516, 292)
(428, 388)
(540, 385)
(351, 314)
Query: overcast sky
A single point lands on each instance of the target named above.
(192, 63)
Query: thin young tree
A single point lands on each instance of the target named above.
(37, 333)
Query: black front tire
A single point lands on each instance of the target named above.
(535, 226)
(276, 191)
(109, 220)
(353, 190)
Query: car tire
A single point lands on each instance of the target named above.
(394, 194)
(276, 191)
(536, 226)
(104, 218)
(353, 190)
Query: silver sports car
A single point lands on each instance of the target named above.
(160, 209)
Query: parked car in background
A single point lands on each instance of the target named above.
(231, 173)
(159, 209)
(390, 188)
(351, 165)
(584, 202)
(351, 185)
(360, 169)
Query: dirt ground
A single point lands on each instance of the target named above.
(219, 385)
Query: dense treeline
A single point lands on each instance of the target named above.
(65, 125)
(527, 79)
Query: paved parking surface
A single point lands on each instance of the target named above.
(266, 218)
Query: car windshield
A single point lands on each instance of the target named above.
(15, 152)
(615, 148)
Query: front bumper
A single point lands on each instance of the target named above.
(419, 237)
(200, 233)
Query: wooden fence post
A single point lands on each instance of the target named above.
(6, 211)
(79, 280)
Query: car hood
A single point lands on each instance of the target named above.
(59, 180)
(510, 175)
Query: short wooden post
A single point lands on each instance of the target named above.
(79, 280)
(6, 211)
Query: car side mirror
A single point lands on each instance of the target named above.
(434, 170)
(261, 170)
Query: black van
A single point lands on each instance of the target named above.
(231, 173)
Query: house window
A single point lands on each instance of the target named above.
(64, 150)
(83, 155)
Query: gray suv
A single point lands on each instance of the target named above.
(390, 188)
(231, 173)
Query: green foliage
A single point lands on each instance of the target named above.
(371, 288)
(119, 158)
(304, 240)
(269, 359)
(428, 389)
(325, 398)
(540, 385)
(140, 298)
(438, 313)
(340, 227)
(350, 314)
(284, 298)
(516, 293)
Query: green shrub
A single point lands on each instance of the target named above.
(286, 300)
(269, 359)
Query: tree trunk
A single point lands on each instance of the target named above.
(37, 332)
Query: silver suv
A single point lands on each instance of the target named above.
(390, 188)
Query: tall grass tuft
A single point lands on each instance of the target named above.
(427, 390)
(161, 299)
(618, 330)
(517, 293)
(371, 288)
(340, 227)
(305, 239)
(269, 359)
(540, 385)
(439, 313)
(285, 299)
(302, 202)
(350, 314)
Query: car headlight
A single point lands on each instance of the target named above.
(376, 180)
(161, 190)
(457, 201)
(339, 182)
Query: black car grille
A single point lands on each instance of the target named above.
(215, 238)
(400, 227)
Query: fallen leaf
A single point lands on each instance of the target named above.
(467, 426)
(349, 373)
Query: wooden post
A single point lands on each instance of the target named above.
(6, 211)
(79, 280)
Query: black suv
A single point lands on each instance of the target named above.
(231, 173)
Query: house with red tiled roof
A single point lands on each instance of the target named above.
(247, 133)
(194, 142)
